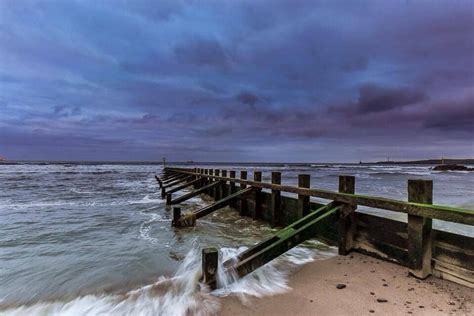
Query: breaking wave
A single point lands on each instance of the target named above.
(182, 293)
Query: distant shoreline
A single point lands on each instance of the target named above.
(468, 161)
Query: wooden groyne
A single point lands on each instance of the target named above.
(413, 244)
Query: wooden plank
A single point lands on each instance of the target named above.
(183, 186)
(453, 273)
(284, 240)
(206, 210)
(441, 212)
(454, 249)
(174, 178)
(194, 193)
(177, 181)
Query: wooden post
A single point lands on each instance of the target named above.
(176, 215)
(275, 207)
(419, 230)
(211, 191)
(232, 189)
(347, 220)
(256, 212)
(169, 197)
(217, 190)
(304, 181)
(224, 192)
(243, 202)
(206, 182)
(195, 185)
(163, 192)
(198, 184)
(210, 257)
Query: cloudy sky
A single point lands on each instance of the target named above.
(236, 80)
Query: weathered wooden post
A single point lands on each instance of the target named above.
(163, 192)
(275, 207)
(205, 179)
(195, 185)
(304, 181)
(243, 202)
(232, 188)
(198, 184)
(419, 230)
(210, 257)
(169, 197)
(256, 212)
(347, 219)
(224, 192)
(217, 189)
(211, 190)
(176, 215)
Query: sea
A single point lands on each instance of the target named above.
(95, 238)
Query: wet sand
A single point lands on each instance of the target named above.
(368, 282)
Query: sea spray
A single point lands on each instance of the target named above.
(183, 293)
(179, 295)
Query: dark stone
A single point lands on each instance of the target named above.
(382, 300)
(372, 293)
(452, 168)
(340, 286)
(371, 311)
(385, 284)
(421, 306)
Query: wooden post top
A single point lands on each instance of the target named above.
(304, 180)
(420, 191)
(257, 176)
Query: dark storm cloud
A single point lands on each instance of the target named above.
(321, 80)
(203, 52)
(376, 99)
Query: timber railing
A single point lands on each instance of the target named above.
(413, 244)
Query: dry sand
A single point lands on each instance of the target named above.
(367, 279)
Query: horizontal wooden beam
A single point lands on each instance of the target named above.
(206, 210)
(173, 178)
(183, 186)
(445, 213)
(194, 193)
(177, 181)
(282, 241)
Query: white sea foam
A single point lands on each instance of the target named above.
(181, 294)
(146, 200)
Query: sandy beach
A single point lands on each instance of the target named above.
(372, 287)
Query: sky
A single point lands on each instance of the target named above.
(269, 80)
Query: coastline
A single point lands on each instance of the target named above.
(367, 280)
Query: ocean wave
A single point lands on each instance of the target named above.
(179, 295)
(146, 200)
